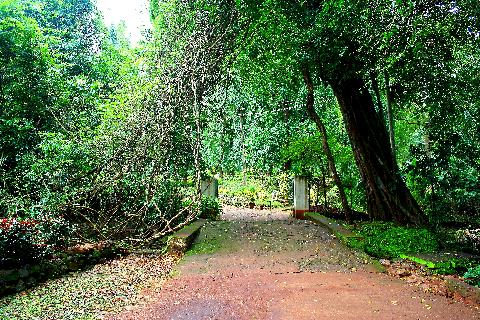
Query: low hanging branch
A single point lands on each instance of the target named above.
(147, 146)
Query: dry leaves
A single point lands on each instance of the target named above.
(95, 293)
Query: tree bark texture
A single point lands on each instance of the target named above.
(388, 197)
(310, 105)
(376, 90)
(391, 124)
(244, 161)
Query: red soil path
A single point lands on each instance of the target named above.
(286, 269)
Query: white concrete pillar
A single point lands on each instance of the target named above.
(300, 197)
(209, 187)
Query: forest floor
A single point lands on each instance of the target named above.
(263, 265)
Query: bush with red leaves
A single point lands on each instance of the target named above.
(26, 241)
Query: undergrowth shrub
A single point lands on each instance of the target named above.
(210, 208)
(470, 238)
(472, 276)
(233, 192)
(260, 189)
(26, 241)
(387, 240)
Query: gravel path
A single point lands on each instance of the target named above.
(263, 265)
(245, 214)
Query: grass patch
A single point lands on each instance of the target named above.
(205, 247)
(213, 237)
(387, 240)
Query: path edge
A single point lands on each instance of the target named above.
(464, 290)
(343, 234)
(334, 227)
(183, 239)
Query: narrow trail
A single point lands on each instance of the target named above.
(264, 265)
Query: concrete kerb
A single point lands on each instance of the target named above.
(455, 286)
(342, 233)
(181, 240)
(337, 229)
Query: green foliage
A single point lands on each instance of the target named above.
(29, 241)
(48, 96)
(450, 266)
(25, 62)
(444, 174)
(207, 246)
(453, 266)
(473, 276)
(104, 134)
(386, 240)
(233, 191)
(210, 208)
(69, 143)
(305, 156)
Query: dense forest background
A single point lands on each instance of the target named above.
(101, 139)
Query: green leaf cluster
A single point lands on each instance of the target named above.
(210, 208)
(473, 276)
(387, 240)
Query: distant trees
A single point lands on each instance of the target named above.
(58, 69)
(49, 58)
(25, 80)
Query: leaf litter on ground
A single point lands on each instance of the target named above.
(93, 294)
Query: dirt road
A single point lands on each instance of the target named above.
(253, 267)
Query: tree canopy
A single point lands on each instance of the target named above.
(377, 99)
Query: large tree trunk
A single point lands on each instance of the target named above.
(326, 148)
(388, 198)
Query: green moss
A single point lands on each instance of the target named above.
(174, 273)
(428, 264)
(205, 247)
(387, 240)
(390, 241)
(215, 236)
(450, 266)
